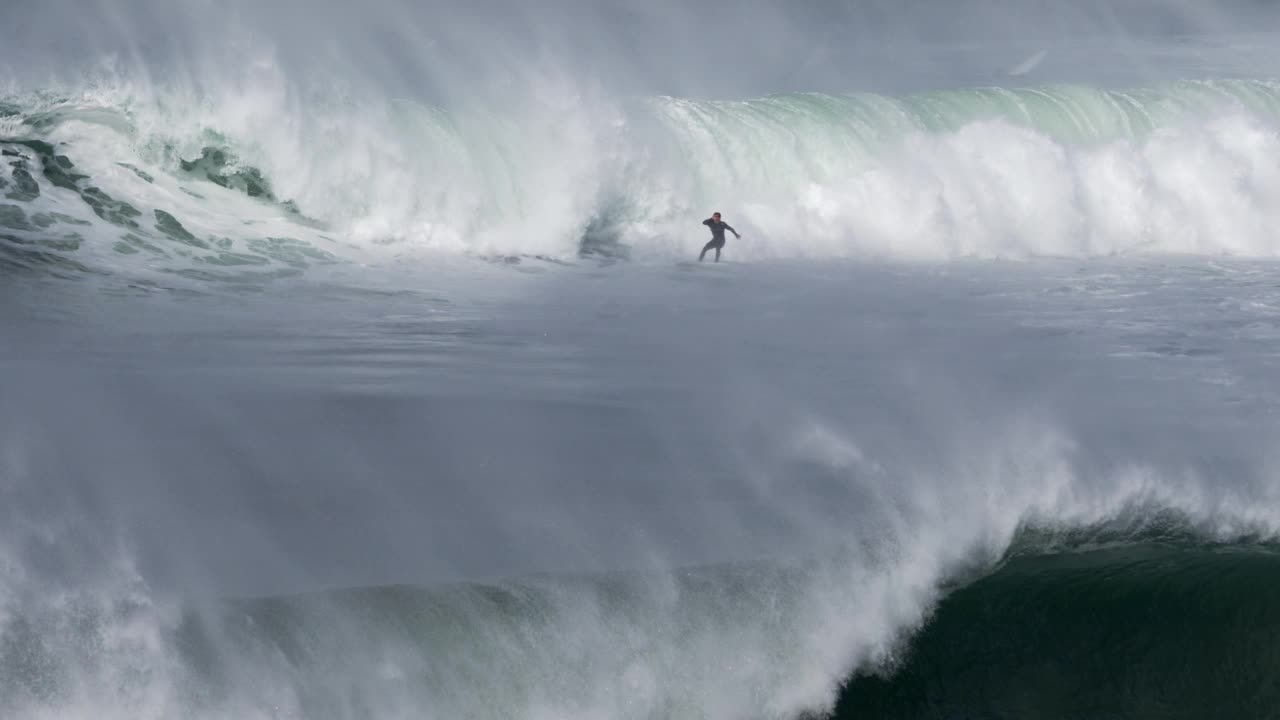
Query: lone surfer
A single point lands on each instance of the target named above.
(718, 227)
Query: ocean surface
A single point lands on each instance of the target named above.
(355, 361)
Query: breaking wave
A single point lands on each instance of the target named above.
(263, 184)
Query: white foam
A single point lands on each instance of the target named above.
(799, 176)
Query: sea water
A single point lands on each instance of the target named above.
(357, 363)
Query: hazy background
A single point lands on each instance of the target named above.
(453, 52)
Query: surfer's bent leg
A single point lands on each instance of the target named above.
(707, 247)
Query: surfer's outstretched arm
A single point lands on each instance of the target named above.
(730, 229)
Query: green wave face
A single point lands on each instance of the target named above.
(1069, 114)
(1167, 630)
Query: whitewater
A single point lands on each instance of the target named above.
(985, 172)
(355, 362)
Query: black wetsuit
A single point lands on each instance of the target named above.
(717, 236)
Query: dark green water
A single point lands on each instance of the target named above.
(1148, 631)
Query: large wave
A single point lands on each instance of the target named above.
(757, 639)
(848, 534)
(1117, 596)
(264, 180)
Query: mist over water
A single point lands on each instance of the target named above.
(356, 363)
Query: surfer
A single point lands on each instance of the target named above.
(718, 227)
